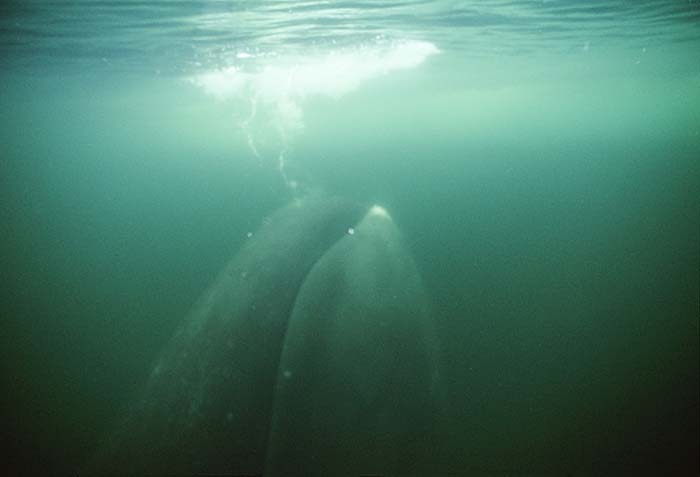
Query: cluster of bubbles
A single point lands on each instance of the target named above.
(268, 95)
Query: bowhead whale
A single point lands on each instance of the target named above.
(313, 353)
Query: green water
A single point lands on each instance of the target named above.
(550, 201)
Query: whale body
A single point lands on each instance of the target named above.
(313, 353)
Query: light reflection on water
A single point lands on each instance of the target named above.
(182, 37)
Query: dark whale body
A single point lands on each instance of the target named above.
(311, 354)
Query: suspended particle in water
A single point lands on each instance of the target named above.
(249, 234)
(287, 374)
(351, 231)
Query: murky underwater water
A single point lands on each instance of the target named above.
(539, 158)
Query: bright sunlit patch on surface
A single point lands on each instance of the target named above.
(332, 74)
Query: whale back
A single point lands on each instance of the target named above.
(207, 403)
(312, 353)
